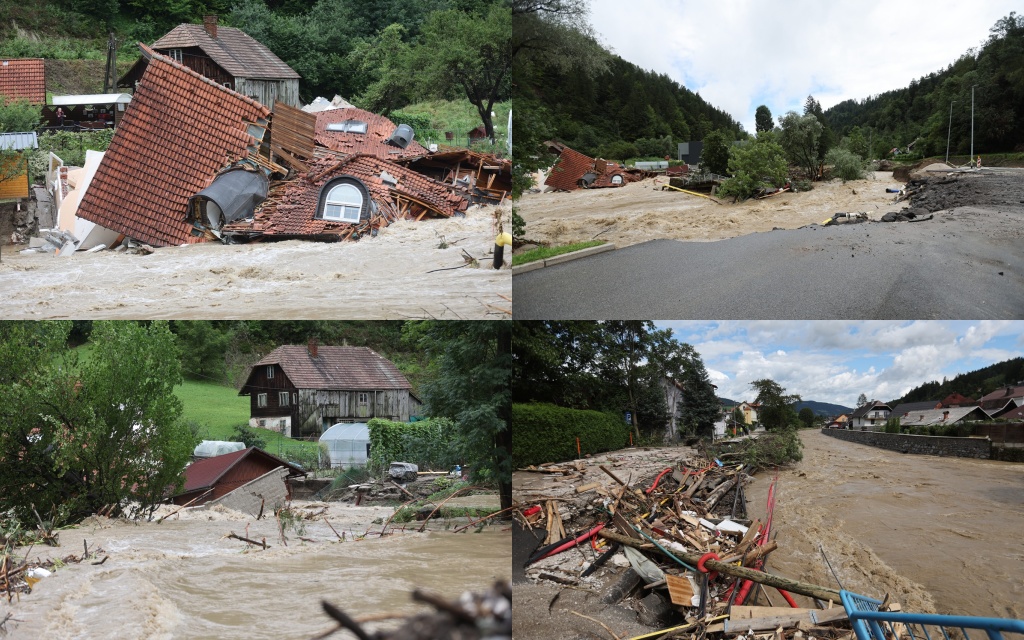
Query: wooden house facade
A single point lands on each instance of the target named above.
(300, 391)
(229, 57)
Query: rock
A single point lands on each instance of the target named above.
(403, 471)
(654, 610)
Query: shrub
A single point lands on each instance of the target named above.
(427, 443)
(769, 449)
(755, 166)
(845, 164)
(619, 150)
(249, 437)
(546, 433)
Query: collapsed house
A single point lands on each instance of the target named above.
(250, 480)
(573, 170)
(181, 130)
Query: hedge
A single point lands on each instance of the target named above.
(546, 433)
(428, 443)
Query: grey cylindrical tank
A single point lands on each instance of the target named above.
(402, 136)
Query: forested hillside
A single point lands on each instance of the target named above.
(973, 384)
(568, 87)
(921, 111)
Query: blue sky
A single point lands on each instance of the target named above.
(835, 361)
(739, 54)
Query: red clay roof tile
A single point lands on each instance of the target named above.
(178, 132)
(291, 208)
(23, 79)
(374, 141)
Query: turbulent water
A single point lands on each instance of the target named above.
(182, 579)
(938, 534)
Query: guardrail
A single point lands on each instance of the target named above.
(871, 624)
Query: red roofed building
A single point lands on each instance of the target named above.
(229, 57)
(303, 390)
(213, 478)
(957, 400)
(574, 170)
(23, 79)
(179, 132)
(357, 131)
(349, 197)
(1003, 400)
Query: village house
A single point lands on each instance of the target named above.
(749, 410)
(1003, 400)
(300, 391)
(870, 417)
(249, 480)
(842, 421)
(573, 170)
(957, 400)
(227, 56)
(937, 417)
(905, 408)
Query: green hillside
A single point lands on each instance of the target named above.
(973, 384)
(922, 112)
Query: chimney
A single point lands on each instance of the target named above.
(312, 347)
(210, 24)
(945, 415)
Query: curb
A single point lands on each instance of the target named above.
(565, 257)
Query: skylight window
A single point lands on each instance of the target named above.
(348, 126)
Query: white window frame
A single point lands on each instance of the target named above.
(339, 208)
(175, 54)
(617, 179)
(270, 371)
(261, 400)
(283, 398)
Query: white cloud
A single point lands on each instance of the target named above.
(740, 53)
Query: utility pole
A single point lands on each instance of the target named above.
(972, 122)
(949, 129)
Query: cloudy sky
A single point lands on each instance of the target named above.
(835, 361)
(739, 54)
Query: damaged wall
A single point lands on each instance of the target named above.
(268, 493)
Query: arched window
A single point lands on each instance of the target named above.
(344, 202)
(616, 179)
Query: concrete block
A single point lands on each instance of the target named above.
(582, 253)
(529, 266)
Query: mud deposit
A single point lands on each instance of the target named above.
(182, 579)
(641, 211)
(375, 278)
(938, 534)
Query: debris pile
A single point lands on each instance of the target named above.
(675, 546)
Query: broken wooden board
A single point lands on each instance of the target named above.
(807, 617)
(680, 590)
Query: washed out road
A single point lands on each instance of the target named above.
(965, 263)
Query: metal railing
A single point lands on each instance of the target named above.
(871, 624)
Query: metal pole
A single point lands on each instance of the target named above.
(972, 122)
(949, 129)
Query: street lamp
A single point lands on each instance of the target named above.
(949, 129)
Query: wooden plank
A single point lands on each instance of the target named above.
(588, 487)
(292, 161)
(680, 591)
(741, 612)
(807, 617)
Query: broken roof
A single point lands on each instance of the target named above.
(347, 368)
(179, 131)
(233, 50)
(291, 209)
(572, 166)
(374, 141)
(23, 79)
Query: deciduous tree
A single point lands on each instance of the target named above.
(799, 138)
(776, 410)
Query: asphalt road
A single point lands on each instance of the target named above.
(965, 263)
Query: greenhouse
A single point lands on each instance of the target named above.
(348, 444)
(212, 448)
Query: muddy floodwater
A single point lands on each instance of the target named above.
(938, 534)
(183, 579)
(411, 270)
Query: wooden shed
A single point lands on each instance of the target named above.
(213, 478)
(300, 391)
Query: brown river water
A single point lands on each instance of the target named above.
(941, 535)
(182, 579)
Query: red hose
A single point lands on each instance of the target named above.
(658, 479)
(572, 543)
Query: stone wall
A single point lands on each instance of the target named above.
(269, 490)
(925, 445)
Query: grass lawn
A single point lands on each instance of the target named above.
(543, 253)
(219, 409)
(459, 116)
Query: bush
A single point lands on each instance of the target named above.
(772, 449)
(428, 443)
(619, 150)
(249, 437)
(845, 164)
(546, 433)
(656, 147)
(755, 166)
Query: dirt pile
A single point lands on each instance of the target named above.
(985, 188)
